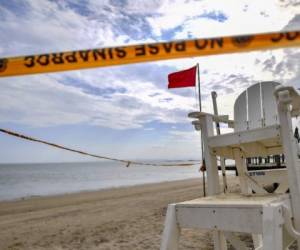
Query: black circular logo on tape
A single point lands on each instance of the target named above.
(3, 65)
(242, 41)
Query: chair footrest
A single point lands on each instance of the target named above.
(230, 212)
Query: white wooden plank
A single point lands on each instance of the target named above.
(269, 103)
(171, 231)
(272, 228)
(237, 138)
(213, 185)
(242, 170)
(247, 220)
(234, 199)
(290, 152)
(240, 112)
(219, 240)
(254, 106)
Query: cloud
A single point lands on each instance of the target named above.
(43, 26)
(52, 100)
(289, 3)
(215, 18)
(214, 15)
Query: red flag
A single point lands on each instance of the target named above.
(182, 79)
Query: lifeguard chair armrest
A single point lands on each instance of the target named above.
(216, 118)
(294, 98)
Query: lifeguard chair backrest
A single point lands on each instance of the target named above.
(256, 107)
(269, 107)
(240, 112)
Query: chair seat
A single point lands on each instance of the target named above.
(230, 212)
(256, 142)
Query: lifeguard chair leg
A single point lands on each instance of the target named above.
(272, 228)
(219, 240)
(213, 184)
(290, 150)
(171, 231)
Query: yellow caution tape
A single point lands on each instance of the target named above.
(102, 57)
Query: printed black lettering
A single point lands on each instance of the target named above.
(153, 49)
(99, 53)
(84, 54)
(140, 50)
(120, 52)
(292, 35)
(29, 61)
(110, 52)
(242, 41)
(180, 46)
(71, 58)
(201, 44)
(278, 38)
(57, 58)
(3, 64)
(218, 41)
(43, 60)
(167, 47)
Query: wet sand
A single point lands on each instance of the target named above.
(121, 218)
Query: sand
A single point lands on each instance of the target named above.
(121, 218)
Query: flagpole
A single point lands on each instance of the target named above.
(202, 168)
(199, 95)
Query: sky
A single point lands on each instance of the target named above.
(127, 111)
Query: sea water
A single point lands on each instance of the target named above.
(41, 179)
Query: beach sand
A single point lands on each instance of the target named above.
(120, 218)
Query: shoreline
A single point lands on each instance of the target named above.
(29, 197)
(118, 218)
(88, 195)
(25, 181)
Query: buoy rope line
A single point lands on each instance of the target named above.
(127, 162)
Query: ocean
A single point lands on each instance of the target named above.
(42, 179)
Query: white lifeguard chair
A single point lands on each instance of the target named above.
(262, 127)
